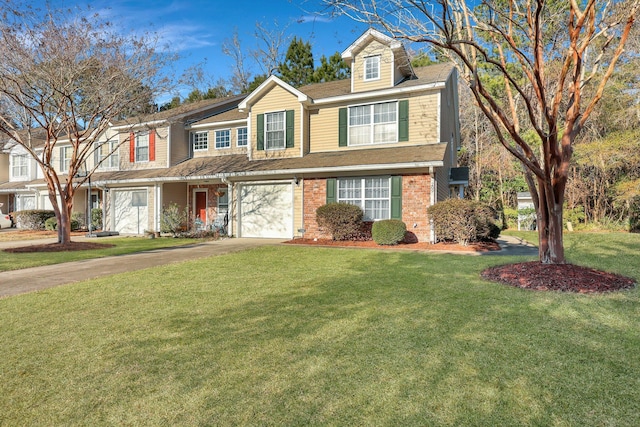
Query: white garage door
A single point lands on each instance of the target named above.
(266, 210)
(131, 213)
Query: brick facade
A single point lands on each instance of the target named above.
(415, 201)
(212, 200)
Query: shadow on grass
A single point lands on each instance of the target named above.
(318, 336)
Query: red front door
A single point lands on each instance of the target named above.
(201, 206)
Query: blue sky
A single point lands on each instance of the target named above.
(196, 29)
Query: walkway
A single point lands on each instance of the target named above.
(32, 279)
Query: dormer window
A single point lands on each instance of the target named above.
(372, 67)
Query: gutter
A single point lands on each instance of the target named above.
(336, 169)
(377, 94)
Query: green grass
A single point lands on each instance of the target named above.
(291, 335)
(123, 245)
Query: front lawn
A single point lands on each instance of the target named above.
(286, 335)
(123, 245)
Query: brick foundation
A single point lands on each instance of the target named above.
(415, 201)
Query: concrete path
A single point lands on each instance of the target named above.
(32, 279)
(37, 278)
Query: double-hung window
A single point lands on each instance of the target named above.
(243, 139)
(65, 158)
(373, 195)
(372, 67)
(200, 141)
(223, 139)
(142, 147)
(275, 130)
(373, 124)
(19, 166)
(106, 154)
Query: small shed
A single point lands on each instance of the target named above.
(526, 212)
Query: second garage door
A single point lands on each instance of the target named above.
(131, 213)
(266, 210)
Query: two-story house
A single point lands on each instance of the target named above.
(386, 139)
(261, 164)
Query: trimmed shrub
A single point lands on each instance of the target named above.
(463, 221)
(173, 219)
(52, 224)
(388, 231)
(33, 219)
(342, 220)
(96, 219)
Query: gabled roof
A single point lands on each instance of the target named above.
(401, 57)
(197, 110)
(266, 86)
(366, 38)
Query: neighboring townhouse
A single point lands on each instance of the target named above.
(4, 180)
(386, 139)
(259, 165)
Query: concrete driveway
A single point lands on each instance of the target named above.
(37, 278)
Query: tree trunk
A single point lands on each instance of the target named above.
(550, 232)
(64, 224)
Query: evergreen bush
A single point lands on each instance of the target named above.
(342, 220)
(463, 221)
(33, 219)
(388, 231)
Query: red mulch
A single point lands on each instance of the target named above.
(557, 277)
(57, 247)
(475, 247)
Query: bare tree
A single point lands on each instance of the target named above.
(64, 77)
(519, 42)
(240, 74)
(271, 47)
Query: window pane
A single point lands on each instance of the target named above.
(384, 113)
(200, 140)
(360, 115)
(372, 68)
(222, 139)
(385, 133)
(242, 137)
(274, 125)
(142, 147)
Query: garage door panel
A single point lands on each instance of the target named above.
(266, 211)
(130, 211)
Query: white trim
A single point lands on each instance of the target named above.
(364, 71)
(169, 146)
(192, 140)
(396, 101)
(225, 123)
(364, 38)
(215, 136)
(328, 170)
(139, 125)
(378, 93)
(284, 130)
(238, 136)
(266, 85)
(302, 130)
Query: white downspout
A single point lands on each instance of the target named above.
(432, 201)
(157, 207)
(230, 204)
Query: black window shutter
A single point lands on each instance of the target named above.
(396, 197)
(260, 132)
(342, 127)
(403, 120)
(332, 185)
(290, 117)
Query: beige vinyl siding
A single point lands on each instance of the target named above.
(449, 112)
(277, 99)
(4, 172)
(442, 176)
(179, 144)
(160, 151)
(423, 125)
(174, 193)
(386, 67)
(212, 150)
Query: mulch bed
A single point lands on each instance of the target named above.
(557, 277)
(450, 247)
(57, 247)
